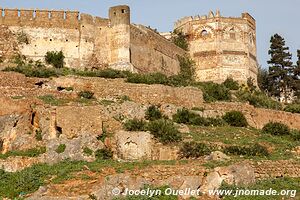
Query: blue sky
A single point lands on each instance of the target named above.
(272, 16)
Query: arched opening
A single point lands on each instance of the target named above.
(232, 34)
(204, 33)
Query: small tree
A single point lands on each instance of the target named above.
(250, 84)
(262, 79)
(180, 39)
(296, 77)
(55, 58)
(280, 70)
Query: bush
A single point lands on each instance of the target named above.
(276, 128)
(86, 94)
(135, 125)
(187, 69)
(153, 113)
(235, 118)
(164, 131)
(55, 58)
(104, 154)
(293, 108)
(258, 99)
(29, 71)
(253, 150)
(38, 135)
(214, 92)
(295, 134)
(87, 151)
(194, 150)
(231, 84)
(61, 148)
(185, 116)
(180, 40)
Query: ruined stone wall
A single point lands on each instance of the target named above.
(256, 117)
(221, 46)
(150, 52)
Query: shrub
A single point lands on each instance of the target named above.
(61, 148)
(38, 135)
(180, 40)
(22, 38)
(153, 113)
(164, 131)
(231, 84)
(295, 134)
(276, 128)
(28, 71)
(135, 125)
(258, 99)
(183, 116)
(235, 118)
(194, 150)
(187, 69)
(55, 58)
(293, 108)
(104, 154)
(213, 91)
(187, 117)
(87, 151)
(86, 94)
(253, 150)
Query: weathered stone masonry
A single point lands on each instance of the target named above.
(221, 46)
(87, 42)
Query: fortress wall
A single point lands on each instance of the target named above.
(58, 31)
(42, 40)
(150, 52)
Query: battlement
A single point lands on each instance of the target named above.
(51, 18)
(212, 15)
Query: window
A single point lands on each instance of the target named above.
(204, 33)
(232, 36)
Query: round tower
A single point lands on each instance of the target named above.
(119, 15)
(222, 47)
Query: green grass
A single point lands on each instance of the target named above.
(53, 101)
(277, 184)
(17, 97)
(27, 153)
(236, 136)
(30, 179)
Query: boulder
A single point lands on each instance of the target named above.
(238, 174)
(134, 145)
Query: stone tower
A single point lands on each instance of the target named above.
(222, 46)
(119, 17)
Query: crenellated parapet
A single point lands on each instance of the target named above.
(48, 18)
(215, 16)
